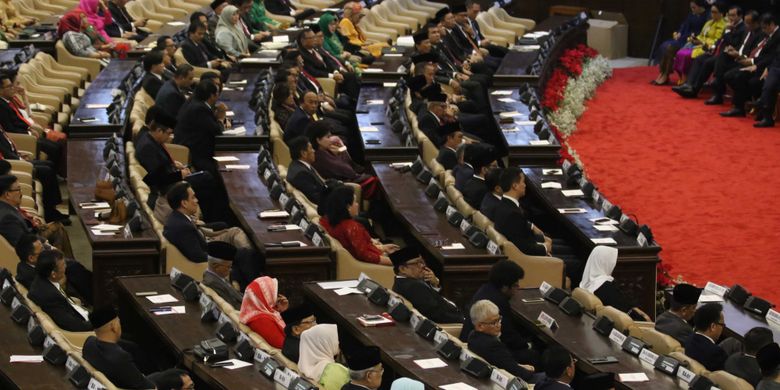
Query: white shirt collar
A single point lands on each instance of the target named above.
(497, 196)
(307, 165)
(480, 178)
(515, 201)
(708, 337)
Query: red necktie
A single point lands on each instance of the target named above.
(13, 104)
(10, 141)
(28, 217)
(757, 50)
(312, 80)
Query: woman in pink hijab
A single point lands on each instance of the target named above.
(92, 8)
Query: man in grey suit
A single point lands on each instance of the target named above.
(744, 364)
(217, 275)
(674, 321)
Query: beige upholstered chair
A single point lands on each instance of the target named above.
(727, 381)
(587, 299)
(660, 343)
(622, 321)
(537, 269)
(501, 13)
(689, 362)
(348, 267)
(65, 57)
(174, 258)
(197, 70)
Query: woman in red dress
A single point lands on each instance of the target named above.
(261, 310)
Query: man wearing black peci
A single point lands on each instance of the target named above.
(420, 286)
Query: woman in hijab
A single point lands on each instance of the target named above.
(79, 38)
(261, 310)
(92, 9)
(319, 347)
(229, 36)
(332, 40)
(407, 384)
(349, 28)
(597, 278)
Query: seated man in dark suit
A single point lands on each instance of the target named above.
(503, 280)
(464, 170)
(153, 66)
(301, 174)
(744, 364)
(191, 237)
(195, 49)
(676, 321)
(319, 63)
(492, 199)
(702, 345)
(104, 352)
(28, 249)
(47, 292)
(297, 320)
(420, 286)
(124, 26)
(769, 361)
(476, 188)
(171, 96)
(168, 47)
(365, 369)
(302, 117)
(453, 137)
(218, 274)
(484, 340)
(431, 119)
(199, 123)
(559, 369)
(284, 7)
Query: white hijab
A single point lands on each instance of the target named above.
(319, 346)
(598, 269)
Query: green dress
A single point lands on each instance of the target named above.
(334, 376)
(257, 15)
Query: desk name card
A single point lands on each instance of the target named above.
(547, 321)
(464, 226)
(773, 316)
(499, 378)
(283, 377)
(544, 287)
(617, 337)
(685, 374)
(716, 289)
(648, 356)
(493, 248)
(440, 336)
(316, 239)
(95, 385)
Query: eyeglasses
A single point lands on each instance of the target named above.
(415, 263)
(15, 189)
(493, 323)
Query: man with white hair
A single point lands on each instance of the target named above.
(484, 340)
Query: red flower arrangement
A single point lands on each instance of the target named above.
(663, 277)
(570, 65)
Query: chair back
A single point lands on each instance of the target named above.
(727, 381)
(691, 364)
(660, 343)
(587, 299)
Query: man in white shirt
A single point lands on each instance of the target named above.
(47, 292)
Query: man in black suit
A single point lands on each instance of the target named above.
(124, 26)
(746, 80)
(319, 64)
(198, 124)
(193, 238)
(47, 292)
(13, 224)
(675, 321)
(284, 7)
(217, 275)
(708, 323)
(420, 286)
(168, 46)
(769, 361)
(453, 137)
(301, 174)
(365, 369)
(559, 369)
(154, 66)
(195, 50)
(730, 57)
(511, 220)
(297, 320)
(469, 20)
(744, 364)
(484, 340)
(476, 188)
(460, 43)
(302, 117)
(105, 352)
(171, 96)
(492, 200)
(28, 248)
(431, 120)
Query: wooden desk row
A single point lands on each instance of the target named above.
(383, 144)
(236, 94)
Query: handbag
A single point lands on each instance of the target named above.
(104, 190)
(118, 214)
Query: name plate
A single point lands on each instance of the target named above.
(464, 355)
(392, 301)
(48, 342)
(544, 287)
(716, 289)
(71, 364)
(260, 355)
(266, 174)
(31, 323)
(648, 356)
(641, 239)
(547, 321)
(596, 196)
(685, 374)
(223, 319)
(464, 226)
(414, 320)
(617, 337)
(493, 248)
(304, 224)
(283, 377)
(6, 284)
(174, 273)
(773, 316)
(316, 239)
(204, 302)
(499, 378)
(283, 198)
(94, 385)
(294, 210)
(15, 303)
(440, 337)
(450, 210)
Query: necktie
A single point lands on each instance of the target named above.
(471, 41)
(29, 218)
(475, 30)
(744, 43)
(13, 104)
(312, 80)
(755, 52)
(317, 54)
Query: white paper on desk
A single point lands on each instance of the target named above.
(457, 386)
(369, 129)
(525, 123)
(551, 184)
(372, 70)
(338, 284)
(300, 243)
(572, 210)
(269, 52)
(230, 114)
(633, 377)
(237, 82)
(526, 48)
(280, 38)
(290, 226)
(392, 55)
(98, 105)
(539, 142)
(571, 193)
(236, 364)
(552, 171)
(238, 167)
(510, 129)
(601, 221)
(274, 214)
(389, 85)
(501, 92)
(106, 226)
(510, 114)
(255, 60)
(103, 232)
(173, 310)
(604, 241)
(226, 158)
(401, 164)
(453, 246)
(331, 10)
(375, 101)
(95, 205)
(26, 358)
(162, 298)
(706, 298)
(273, 45)
(241, 130)
(176, 23)
(507, 100)
(347, 291)
(430, 363)
(605, 228)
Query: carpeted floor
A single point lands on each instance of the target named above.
(706, 185)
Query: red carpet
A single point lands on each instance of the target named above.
(706, 185)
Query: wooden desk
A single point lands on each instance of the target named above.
(38, 376)
(388, 64)
(112, 256)
(174, 335)
(390, 147)
(739, 321)
(100, 91)
(576, 334)
(461, 271)
(518, 142)
(44, 42)
(143, 47)
(237, 101)
(248, 196)
(636, 266)
(399, 344)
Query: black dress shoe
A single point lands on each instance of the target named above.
(56, 216)
(715, 99)
(764, 123)
(686, 91)
(760, 116)
(734, 112)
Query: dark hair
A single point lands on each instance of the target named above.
(510, 176)
(281, 76)
(281, 93)
(299, 38)
(493, 178)
(317, 130)
(505, 273)
(7, 76)
(161, 119)
(177, 193)
(469, 3)
(183, 70)
(24, 247)
(720, 6)
(766, 19)
(209, 76)
(238, 3)
(337, 204)
(757, 338)
(151, 115)
(5, 167)
(297, 146)
(205, 89)
(152, 58)
(677, 306)
(161, 41)
(707, 315)
(195, 25)
(479, 163)
(170, 379)
(555, 361)
(753, 15)
(700, 3)
(47, 262)
(740, 12)
(196, 16)
(6, 181)
(292, 55)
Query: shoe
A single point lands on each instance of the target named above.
(656, 83)
(685, 91)
(56, 216)
(764, 123)
(760, 116)
(734, 112)
(714, 100)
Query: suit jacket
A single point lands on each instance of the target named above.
(292, 347)
(297, 124)
(474, 191)
(10, 120)
(427, 300)
(53, 303)
(116, 363)
(734, 36)
(25, 274)
(510, 220)
(152, 84)
(510, 331)
(314, 66)
(551, 384)
(673, 325)
(12, 224)
(196, 54)
(223, 288)
(488, 205)
(745, 367)
(447, 157)
(197, 128)
(123, 22)
(704, 351)
(768, 53)
(306, 180)
(279, 7)
(351, 386)
(185, 236)
(496, 353)
(462, 174)
(160, 168)
(170, 98)
(7, 148)
(430, 126)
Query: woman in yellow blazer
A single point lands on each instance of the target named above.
(705, 42)
(348, 26)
